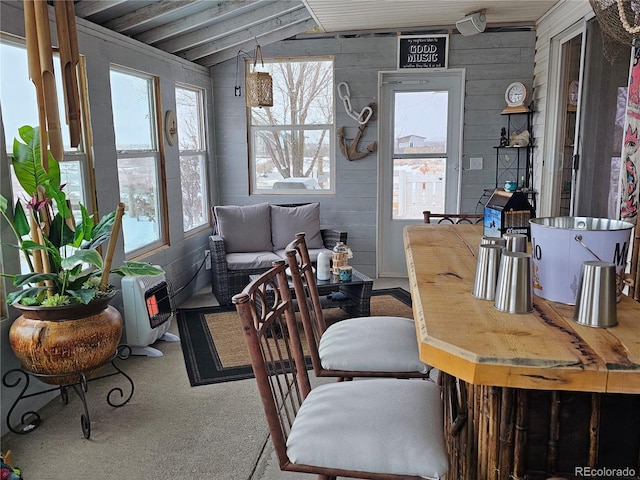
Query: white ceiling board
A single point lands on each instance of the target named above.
(353, 15)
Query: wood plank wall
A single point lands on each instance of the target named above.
(492, 61)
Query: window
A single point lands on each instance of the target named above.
(193, 157)
(291, 143)
(19, 108)
(419, 152)
(135, 125)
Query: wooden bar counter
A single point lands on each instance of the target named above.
(526, 396)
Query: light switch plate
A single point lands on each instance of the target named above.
(475, 163)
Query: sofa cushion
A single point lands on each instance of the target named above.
(287, 221)
(250, 261)
(244, 228)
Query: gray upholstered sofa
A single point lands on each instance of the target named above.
(247, 240)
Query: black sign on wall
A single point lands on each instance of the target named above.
(416, 51)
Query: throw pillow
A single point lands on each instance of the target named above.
(287, 221)
(244, 228)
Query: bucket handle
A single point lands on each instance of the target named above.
(578, 238)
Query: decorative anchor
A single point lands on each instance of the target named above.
(351, 151)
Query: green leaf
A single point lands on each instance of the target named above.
(14, 297)
(55, 193)
(20, 220)
(81, 256)
(29, 245)
(137, 269)
(87, 222)
(4, 204)
(83, 295)
(78, 282)
(27, 278)
(27, 164)
(59, 232)
(102, 231)
(54, 255)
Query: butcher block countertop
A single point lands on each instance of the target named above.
(471, 340)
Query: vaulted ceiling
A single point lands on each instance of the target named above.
(208, 32)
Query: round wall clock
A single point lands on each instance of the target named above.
(516, 94)
(171, 127)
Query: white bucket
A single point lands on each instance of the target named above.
(559, 245)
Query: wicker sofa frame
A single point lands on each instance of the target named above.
(226, 283)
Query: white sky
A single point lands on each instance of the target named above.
(421, 113)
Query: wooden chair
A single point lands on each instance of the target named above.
(374, 429)
(452, 217)
(355, 347)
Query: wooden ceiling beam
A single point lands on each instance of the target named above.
(201, 41)
(216, 13)
(146, 14)
(87, 8)
(227, 52)
(239, 36)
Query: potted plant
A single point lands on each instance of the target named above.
(67, 325)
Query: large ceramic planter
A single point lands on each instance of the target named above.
(59, 343)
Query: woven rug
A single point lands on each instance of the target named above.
(214, 348)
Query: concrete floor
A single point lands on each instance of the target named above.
(167, 430)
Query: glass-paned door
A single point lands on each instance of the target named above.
(419, 156)
(589, 137)
(601, 126)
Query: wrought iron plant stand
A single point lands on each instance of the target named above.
(30, 420)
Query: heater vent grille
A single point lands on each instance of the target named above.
(147, 309)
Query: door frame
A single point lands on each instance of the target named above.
(549, 186)
(385, 180)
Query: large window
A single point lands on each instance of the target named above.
(19, 108)
(193, 157)
(135, 125)
(292, 142)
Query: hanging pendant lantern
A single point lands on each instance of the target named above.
(258, 85)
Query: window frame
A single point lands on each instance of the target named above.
(81, 155)
(77, 154)
(200, 152)
(252, 130)
(154, 152)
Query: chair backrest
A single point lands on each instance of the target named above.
(267, 315)
(306, 289)
(452, 217)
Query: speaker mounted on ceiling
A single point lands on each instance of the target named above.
(472, 24)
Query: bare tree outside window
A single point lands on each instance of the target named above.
(292, 142)
(193, 177)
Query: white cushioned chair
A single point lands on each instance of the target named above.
(356, 347)
(371, 429)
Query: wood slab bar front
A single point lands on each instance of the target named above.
(471, 340)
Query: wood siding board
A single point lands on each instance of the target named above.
(491, 61)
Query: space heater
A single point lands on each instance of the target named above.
(147, 313)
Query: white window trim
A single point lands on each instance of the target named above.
(156, 154)
(201, 152)
(331, 127)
